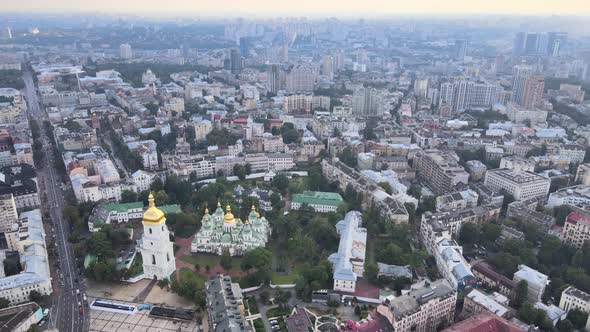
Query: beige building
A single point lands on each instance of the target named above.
(421, 310)
(440, 170)
(8, 213)
(576, 230)
(583, 174)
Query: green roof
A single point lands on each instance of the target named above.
(318, 198)
(171, 208)
(123, 207)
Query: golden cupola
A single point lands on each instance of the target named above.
(153, 216)
(229, 217)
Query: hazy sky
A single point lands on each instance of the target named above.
(304, 7)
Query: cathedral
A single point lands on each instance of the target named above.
(222, 232)
(156, 248)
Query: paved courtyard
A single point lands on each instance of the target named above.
(115, 322)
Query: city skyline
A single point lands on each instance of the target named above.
(266, 8)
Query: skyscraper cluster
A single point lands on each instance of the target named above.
(538, 43)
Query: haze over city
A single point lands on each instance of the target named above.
(269, 8)
(295, 166)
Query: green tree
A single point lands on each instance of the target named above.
(280, 182)
(371, 271)
(289, 133)
(469, 233)
(521, 293)
(240, 171)
(128, 196)
(491, 232)
(225, 261)
(578, 318)
(4, 303)
(348, 157)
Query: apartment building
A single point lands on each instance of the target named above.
(421, 310)
(521, 185)
(452, 265)
(576, 230)
(8, 212)
(578, 196)
(486, 275)
(573, 298)
(517, 163)
(224, 305)
(457, 200)
(477, 302)
(440, 170)
(537, 282)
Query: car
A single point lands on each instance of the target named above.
(276, 328)
(45, 312)
(81, 310)
(77, 291)
(274, 321)
(119, 260)
(84, 297)
(128, 261)
(41, 322)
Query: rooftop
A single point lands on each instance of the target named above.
(318, 197)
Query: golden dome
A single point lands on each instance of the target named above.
(253, 207)
(229, 217)
(153, 215)
(206, 210)
(218, 204)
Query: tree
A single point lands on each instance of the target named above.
(427, 204)
(225, 261)
(521, 293)
(469, 233)
(128, 196)
(289, 133)
(348, 157)
(578, 318)
(240, 171)
(527, 313)
(259, 259)
(415, 190)
(565, 326)
(35, 296)
(491, 232)
(4, 303)
(280, 182)
(371, 271)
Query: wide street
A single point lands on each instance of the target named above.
(64, 315)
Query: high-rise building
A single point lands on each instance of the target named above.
(461, 95)
(339, 60)
(125, 51)
(533, 92)
(520, 74)
(440, 170)
(421, 87)
(531, 43)
(156, 248)
(328, 67)
(273, 79)
(245, 46)
(368, 101)
(235, 61)
(301, 79)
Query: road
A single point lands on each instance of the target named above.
(64, 314)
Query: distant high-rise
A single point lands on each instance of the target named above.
(519, 76)
(235, 61)
(328, 67)
(125, 51)
(460, 49)
(274, 79)
(421, 87)
(301, 79)
(368, 101)
(531, 43)
(462, 95)
(339, 60)
(245, 46)
(533, 91)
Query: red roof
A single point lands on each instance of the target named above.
(576, 217)
(240, 120)
(484, 322)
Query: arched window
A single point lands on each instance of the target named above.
(162, 228)
(168, 256)
(150, 231)
(153, 259)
